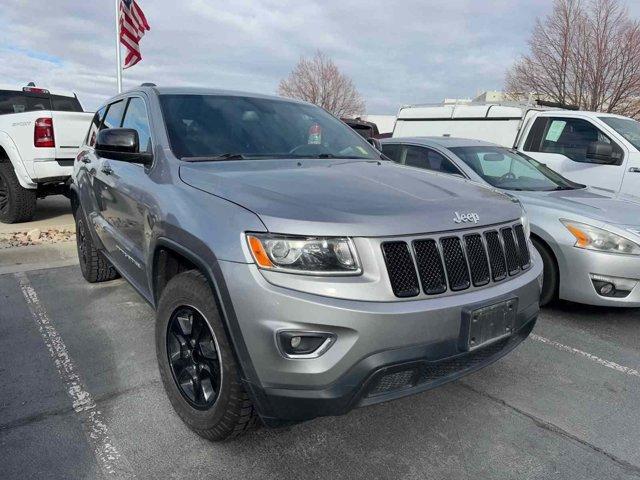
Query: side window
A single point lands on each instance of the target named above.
(428, 159)
(570, 137)
(416, 157)
(392, 151)
(94, 127)
(114, 115)
(439, 163)
(136, 117)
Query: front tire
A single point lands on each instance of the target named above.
(550, 278)
(17, 204)
(93, 265)
(197, 365)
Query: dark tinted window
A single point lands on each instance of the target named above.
(439, 163)
(423, 157)
(570, 137)
(392, 151)
(628, 128)
(213, 125)
(416, 157)
(114, 115)
(19, 102)
(136, 118)
(95, 126)
(65, 104)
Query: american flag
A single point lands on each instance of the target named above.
(133, 25)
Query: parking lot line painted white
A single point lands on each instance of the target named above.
(110, 460)
(605, 363)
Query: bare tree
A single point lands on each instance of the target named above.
(585, 53)
(318, 80)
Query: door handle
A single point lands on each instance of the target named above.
(106, 169)
(634, 170)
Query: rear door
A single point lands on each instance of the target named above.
(561, 142)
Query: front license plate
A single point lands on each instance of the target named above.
(491, 323)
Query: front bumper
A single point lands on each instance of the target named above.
(373, 339)
(576, 266)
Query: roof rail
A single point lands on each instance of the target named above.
(148, 84)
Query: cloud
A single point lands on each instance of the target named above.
(397, 52)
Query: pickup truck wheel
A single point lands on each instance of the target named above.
(197, 365)
(93, 265)
(17, 204)
(550, 275)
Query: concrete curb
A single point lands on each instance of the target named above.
(37, 257)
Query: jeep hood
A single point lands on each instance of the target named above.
(347, 197)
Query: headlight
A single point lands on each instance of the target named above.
(305, 255)
(593, 238)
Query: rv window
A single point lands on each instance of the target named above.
(570, 137)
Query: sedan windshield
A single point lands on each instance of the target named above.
(629, 129)
(225, 127)
(512, 170)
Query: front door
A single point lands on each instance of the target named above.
(562, 144)
(126, 200)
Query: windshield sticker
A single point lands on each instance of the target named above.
(315, 135)
(555, 130)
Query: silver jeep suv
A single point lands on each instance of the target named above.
(294, 270)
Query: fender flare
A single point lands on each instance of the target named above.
(6, 142)
(212, 272)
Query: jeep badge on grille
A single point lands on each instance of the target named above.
(466, 217)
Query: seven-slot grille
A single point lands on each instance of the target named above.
(455, 263)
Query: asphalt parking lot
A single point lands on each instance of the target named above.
(80, 397)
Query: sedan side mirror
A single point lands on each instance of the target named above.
(600, 152)
(121, 144)
(375, 143)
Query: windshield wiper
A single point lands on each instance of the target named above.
(213, 158)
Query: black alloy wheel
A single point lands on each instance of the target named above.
(4, 196)
(193, 358)
(81, 240)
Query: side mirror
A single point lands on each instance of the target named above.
(121, 144)
(600, 152)
(375, 143)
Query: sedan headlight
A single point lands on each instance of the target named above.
(593, 238)
(304, 255)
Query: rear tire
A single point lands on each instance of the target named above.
(185, 365)
(550, 275)
(17, 204)
(93, 265)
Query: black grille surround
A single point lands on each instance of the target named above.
(453, 262)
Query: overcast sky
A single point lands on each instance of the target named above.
(397, 52)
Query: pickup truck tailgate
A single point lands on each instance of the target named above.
(69, 129)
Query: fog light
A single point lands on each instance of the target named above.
(297, 344)
(613, 286)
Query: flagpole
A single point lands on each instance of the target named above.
(118, 60)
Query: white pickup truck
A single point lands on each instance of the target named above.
(40, 134)
(597, 149)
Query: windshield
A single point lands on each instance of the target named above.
(629, 129)
(511, 170)
(217, 127)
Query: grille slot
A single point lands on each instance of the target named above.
(477, 257)
(525, 257)
(455, 263)
(511, 251)
(402, 272)
(496, 256)
(430, 267)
